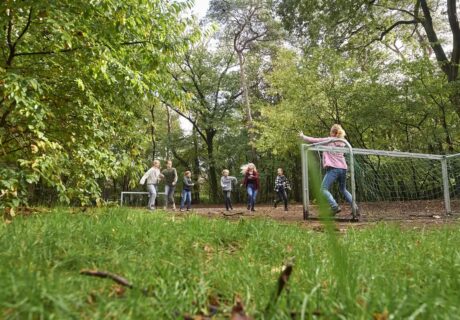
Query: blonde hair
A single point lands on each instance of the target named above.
(154, 162)
(225, 171)
(245, 167)
(338, 130)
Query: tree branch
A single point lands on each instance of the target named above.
(129, 43)
(453, 21)
(186, 117)
(427, 23)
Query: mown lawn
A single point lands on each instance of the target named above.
(182, 265)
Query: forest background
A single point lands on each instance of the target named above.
(92, 91)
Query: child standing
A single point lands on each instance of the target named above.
(226, 184)
(153, 177)
(186, 198)
(251, 182)
(281, 187)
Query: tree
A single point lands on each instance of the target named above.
(246, 23)
(359, 23)
(71, 76)
(206, 78)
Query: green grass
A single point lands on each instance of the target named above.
(407, 273)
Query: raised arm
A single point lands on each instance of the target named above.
(311, 139)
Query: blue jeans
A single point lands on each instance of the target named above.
(333, 174)
(252, 194)
(169, 194)
(186, 199)
(152, 195)
(228, 199)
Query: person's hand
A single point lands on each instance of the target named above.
(301, 134)
(173, 184)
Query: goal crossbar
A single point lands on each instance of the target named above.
(348, 149)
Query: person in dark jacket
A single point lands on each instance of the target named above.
(281, 187)
(186, 198)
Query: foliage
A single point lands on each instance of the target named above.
(71, 77)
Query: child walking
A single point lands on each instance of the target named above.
(226, 184)
(186, 198)
(170, 175)
(281, 187)
(153, 177)
(251, 182)
(335, 165)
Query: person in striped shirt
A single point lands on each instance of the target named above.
(281, 187)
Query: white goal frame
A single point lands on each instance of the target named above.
(321, 146)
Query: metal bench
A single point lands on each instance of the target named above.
(139, 192)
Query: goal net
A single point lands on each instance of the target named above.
(398, 184)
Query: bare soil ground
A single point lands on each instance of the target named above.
(408, 213)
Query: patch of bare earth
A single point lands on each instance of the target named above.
(406, 213)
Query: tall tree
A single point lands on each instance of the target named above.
(357, 24)
(246, 24)
(207, 79)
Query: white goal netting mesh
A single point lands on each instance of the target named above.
(396, 183)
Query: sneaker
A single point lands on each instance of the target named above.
(252, 209)
(336, 210)
(275, 203)
(249, 207)
(357, 211)
(181, 210)
(174, 206)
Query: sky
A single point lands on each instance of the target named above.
(200, 8)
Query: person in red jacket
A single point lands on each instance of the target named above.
(251, 182)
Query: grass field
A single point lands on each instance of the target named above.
(182, 265)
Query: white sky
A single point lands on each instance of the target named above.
(200, 8)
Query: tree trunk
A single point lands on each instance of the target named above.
(152, 131)
(449, 67)
(196, 168)
(168, 146)
(212, 165)
(247, 106)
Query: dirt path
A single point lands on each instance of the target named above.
(414, 213)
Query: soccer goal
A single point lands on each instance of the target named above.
(392, 183)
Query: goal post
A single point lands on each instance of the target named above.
(380, 177)
(305, 181)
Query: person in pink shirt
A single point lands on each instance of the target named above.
(335, 165)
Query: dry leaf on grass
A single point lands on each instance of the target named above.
(381, 316)
(238, 312)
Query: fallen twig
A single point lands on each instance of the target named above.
(104, 274)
